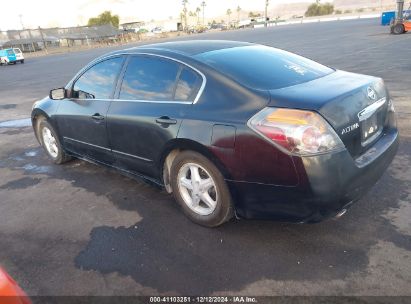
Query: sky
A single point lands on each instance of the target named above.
(52, 13)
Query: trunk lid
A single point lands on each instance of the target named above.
(355, 105)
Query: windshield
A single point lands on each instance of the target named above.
(17, 51)
(263, 67)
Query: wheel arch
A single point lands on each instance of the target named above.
(178, 145)
(35, 115)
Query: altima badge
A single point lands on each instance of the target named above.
(350, 128)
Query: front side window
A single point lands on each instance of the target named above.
(149, 78)
(98, 82)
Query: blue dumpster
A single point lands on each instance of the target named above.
(386, 17)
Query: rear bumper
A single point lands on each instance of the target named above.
(328, 183)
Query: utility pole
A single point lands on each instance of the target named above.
(42, 39)
(22, 26)
(21, 21)
(265, 15)
(203, 4)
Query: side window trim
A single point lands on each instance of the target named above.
(121, 77)
(93, 64)
(176, 81)
(196, 86)
(182, 65)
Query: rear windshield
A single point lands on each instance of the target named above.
(10, 52)
(263, 67)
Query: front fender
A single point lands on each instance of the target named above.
(45, 107)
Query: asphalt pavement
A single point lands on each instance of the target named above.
(80, 229)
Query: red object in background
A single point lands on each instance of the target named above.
(10, 292)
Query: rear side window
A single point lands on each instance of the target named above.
(265, 68)
(149, 78)
(98, 81)
(188, 85)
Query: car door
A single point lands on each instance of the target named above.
(153, 97)
(81, 118)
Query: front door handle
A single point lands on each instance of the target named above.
(165, 120)
(97, 116)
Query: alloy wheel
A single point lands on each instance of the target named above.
(197, 188)
(50, 142)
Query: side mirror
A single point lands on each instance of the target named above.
(58, 94)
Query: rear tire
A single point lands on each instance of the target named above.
(49, 140)
(22, 61)
(200, 189)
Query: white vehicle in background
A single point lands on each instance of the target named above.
(19, 55)
(157, 30)
(245, 23)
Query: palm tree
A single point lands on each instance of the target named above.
(238, 14)
(203, 4)
(182, 18)
(198, 10)
(192, 15)
(185, 13)
(229, 16)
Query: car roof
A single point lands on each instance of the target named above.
(188, 48)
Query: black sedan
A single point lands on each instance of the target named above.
(230, 128)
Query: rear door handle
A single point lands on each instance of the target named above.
(97, 116)
(164, 120)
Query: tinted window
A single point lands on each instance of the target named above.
(187, 85)
(98, 81)
(263, 67)
(149, 78)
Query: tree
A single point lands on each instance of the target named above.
(229, 12)
(198, 10)
(238, 13)
(182, 18)
(318, 9)
(104, 18)
(254, 15)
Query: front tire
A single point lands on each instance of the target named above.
(49, 140)
(200, 189)
(397, 29)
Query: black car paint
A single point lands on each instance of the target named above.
(264, 181)
(338, 97)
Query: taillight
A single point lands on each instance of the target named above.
(296, 131)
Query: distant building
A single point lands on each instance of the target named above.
(30, 40)
(132, 26)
